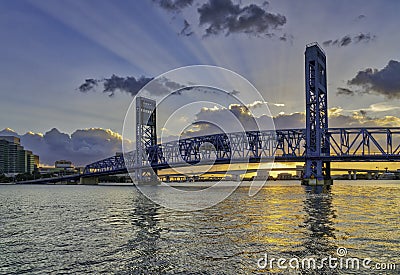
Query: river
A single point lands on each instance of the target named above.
(115, 229)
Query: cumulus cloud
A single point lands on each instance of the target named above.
(235, 118)
(385, 81)
(338, 118)
(349, 39)
(82, 147)
(173, 5)
(130, 85)
(225, 17)
(222, 117)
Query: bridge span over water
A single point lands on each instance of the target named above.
(317, 145)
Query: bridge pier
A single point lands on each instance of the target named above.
(89, 181)
(354, 176)
(317, 172)
(235, 177)
(317, 182)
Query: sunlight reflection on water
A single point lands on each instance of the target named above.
(116, 229)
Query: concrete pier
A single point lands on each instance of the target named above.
(89, 181)
(317, 182)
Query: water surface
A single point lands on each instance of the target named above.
(111, 229)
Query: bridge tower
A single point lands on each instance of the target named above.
(146, 136)
(317, 172)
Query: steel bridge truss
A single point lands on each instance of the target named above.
(346, 144)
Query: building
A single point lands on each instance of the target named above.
(262, 175)
(64, 164)
(299, 171)
(14, 159)
(284, 176)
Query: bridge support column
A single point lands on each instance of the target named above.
(317, 137)
(354, 175)
(89, 181)
(146, 139)
(369, 176)
(349, 175)
(235, 177)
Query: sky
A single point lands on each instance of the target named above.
(69, 69)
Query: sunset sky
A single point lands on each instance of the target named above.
(69, 69)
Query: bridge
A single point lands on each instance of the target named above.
(317, 145)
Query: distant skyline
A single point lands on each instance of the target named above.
(50, 49)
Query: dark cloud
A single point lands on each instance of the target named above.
(115, 83)
(173, 5)
(224, 17)
(345, 91)
(364, 37)
(360, 17)
(82, 147)
(349, 39)
(327, 43)
(130, 85)
(385, 82)
(88, 85)
(286, 37)
(186, 30)
(345, 41)
(163, 86)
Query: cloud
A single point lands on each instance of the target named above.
(286, 37)
(216, 120)
(130, 85)
(360, 17)
(222, 117)
(349, 39)
(186, 30)
(82, 147)
(345, 91)
(224, 17)
(88, 85)
(385, 82)
(338, 118)
(290, 121)
(174, 5)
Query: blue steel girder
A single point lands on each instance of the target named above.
(106, 165)
(347, 144)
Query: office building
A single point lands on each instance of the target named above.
(14, 159)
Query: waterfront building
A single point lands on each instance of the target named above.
(64, 164)
(14, 159)
(284, 176)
